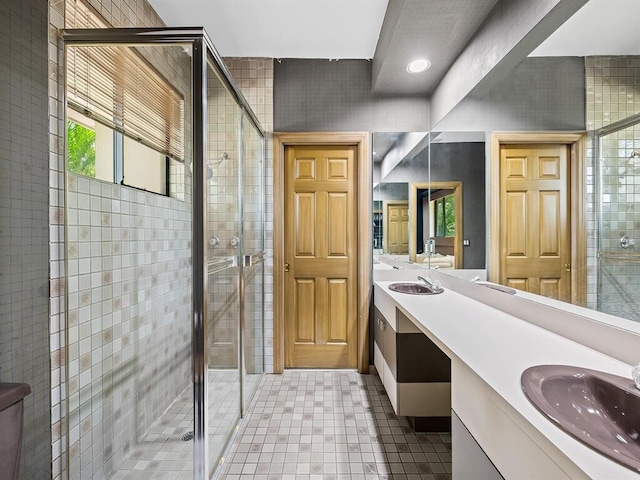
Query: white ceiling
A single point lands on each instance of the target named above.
(282, 28)
(437, 29)
(350, 28)
(601, 27)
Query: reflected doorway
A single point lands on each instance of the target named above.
(437, 210)
(395, 233)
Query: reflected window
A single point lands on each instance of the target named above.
(444, 216)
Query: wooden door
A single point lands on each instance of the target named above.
(535, 237)
(398, 228)
(320, 252)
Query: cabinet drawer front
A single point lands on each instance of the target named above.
(378, 361)
(389, 350)
(379, 325)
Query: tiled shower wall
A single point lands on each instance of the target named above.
(129, 319)
(613, 94)
(24, 231)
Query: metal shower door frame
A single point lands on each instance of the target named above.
(203, 52)
(597, 144)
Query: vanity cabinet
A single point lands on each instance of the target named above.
(469, 460)
(415, 373)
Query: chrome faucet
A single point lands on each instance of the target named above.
(433, 285)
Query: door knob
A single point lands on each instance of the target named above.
(567, 267)
(286, 267)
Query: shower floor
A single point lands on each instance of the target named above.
(162, 454)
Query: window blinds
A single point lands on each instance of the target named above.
(115, 86)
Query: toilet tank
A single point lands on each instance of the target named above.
(11, 409)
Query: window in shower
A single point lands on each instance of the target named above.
(89, 147)
(97, 151)
(126, 121)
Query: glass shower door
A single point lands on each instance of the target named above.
(618, 287)
(223, 250)
(253, 264)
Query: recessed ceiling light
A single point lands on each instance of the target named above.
(418, 66)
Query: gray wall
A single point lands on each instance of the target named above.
(391, 191)
(541, 93)
(24, 219)
(318, 95)
(465, 162)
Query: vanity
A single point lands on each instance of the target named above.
(415, 373)
(497, 432)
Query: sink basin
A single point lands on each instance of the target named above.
(413, 288)
(498, 287)
(599, 409)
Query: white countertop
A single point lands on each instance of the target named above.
(498, 347)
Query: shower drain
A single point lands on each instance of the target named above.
(187, 437)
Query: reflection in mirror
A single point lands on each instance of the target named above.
(438, 229)
(406, 220)
(391, 219)
(618, 227)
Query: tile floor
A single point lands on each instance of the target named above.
(162, 454)
(328, 425)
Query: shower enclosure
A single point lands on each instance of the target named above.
(618, 151)
(164, 229)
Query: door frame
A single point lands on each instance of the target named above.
(577, 142)
(364, 206)
(454, 185)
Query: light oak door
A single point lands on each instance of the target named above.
(398, 228)
(535, 237)
(320, 254)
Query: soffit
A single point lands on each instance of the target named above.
(434, 29)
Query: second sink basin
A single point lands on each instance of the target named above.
(599, 409)
(413, 288)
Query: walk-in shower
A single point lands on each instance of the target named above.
(164, 235)
(618, 169)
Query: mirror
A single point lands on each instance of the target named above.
(429, 198)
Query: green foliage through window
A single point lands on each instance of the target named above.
(81, 149)
(445, 217)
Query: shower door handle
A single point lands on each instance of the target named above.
(254, 259)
